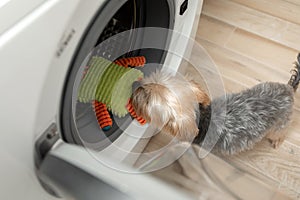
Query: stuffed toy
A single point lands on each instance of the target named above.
(108, 86)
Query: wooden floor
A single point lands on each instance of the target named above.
(253, 41)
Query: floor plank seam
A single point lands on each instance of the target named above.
(230, 36)
(269, 13)
(248, 57)
(256, 60)
(274, 40)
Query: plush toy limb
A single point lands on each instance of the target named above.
(133, 62)
(130, 109)
(138, 61)
(102, 115)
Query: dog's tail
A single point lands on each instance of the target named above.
(295, 78)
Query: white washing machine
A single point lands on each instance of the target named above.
(43, 45)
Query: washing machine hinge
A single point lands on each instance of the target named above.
(45, 142)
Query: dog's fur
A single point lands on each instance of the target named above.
(232, 123)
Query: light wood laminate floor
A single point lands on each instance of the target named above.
(252, 41)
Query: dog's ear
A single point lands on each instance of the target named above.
(201, 96)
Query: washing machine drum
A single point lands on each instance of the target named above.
(111, 36)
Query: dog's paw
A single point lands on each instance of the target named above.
(276, 143)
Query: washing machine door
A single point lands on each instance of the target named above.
(65, 153)
(72, 172)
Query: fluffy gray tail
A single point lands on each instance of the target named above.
(295, 78)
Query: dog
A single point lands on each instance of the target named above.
(231, 123)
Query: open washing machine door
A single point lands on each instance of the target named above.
(74, 157)
(69, 171)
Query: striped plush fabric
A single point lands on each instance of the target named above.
(108, 83)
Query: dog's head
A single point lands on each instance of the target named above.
(170, 103)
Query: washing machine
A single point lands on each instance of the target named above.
(49, 140)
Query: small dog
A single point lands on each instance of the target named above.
(231, 124)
